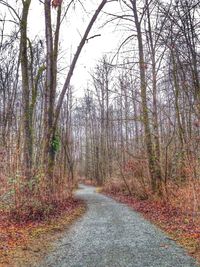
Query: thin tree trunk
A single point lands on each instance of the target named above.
(153, 168)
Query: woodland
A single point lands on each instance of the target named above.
(135, 132)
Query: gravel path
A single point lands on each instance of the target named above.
(112, 235)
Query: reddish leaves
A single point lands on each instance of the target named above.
(56, 3)
(135, 166)
(14, 236)
(173, 220)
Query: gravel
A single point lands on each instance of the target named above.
(112, 235)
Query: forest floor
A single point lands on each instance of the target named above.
(111, 234)
(26, 244)
(181, 227)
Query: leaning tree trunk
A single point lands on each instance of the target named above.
(51, 70)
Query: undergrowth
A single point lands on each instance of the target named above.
(31, 215)
(26, 244)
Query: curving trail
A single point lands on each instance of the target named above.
(112, 235)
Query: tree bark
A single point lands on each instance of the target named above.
(28, 131)
(154, 171)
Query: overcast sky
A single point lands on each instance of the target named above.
(72, 29)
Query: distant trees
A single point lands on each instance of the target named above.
(148, 110)
(139, 118)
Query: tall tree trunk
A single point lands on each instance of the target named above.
(154, 90)
(155, 173)
(51, 83)
(28, 135)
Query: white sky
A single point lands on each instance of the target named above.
(71, 30)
